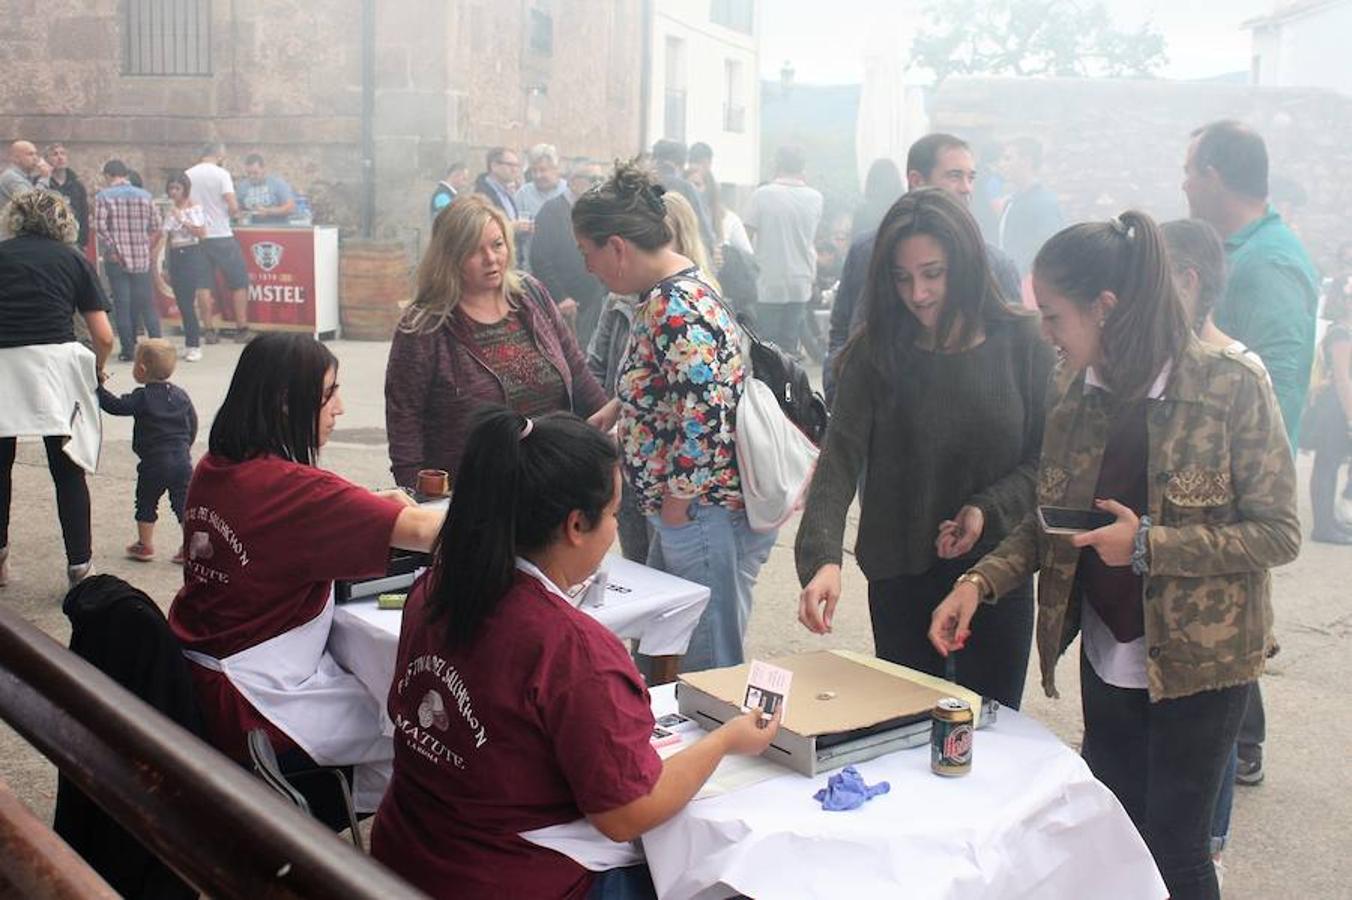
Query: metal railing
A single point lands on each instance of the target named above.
(211, 821)
(36, 863)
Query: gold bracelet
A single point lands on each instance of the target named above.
(984, 591)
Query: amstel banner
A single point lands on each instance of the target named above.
(282, 290)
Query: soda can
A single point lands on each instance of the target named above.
(951, 737)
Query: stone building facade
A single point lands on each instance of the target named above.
(149, 81)
(1109, 145)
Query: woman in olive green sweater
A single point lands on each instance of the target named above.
(938, 415)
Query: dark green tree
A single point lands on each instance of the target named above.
(1033, 37)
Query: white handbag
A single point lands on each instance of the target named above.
(774, 458)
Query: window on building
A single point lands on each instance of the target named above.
(541, 32)
(734, 97)
(166, 37)
(739, 15)
(673, 119)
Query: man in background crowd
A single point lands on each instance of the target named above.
(701, 158)
(542, 185)
(1269, 303)
(17, 177)
(1031, 214)
(268, 199)
(669, 158)
(214, 190)
(125, 220)
(65, 182)
(498, 184)
(782, 218)
(502, 166)
(555, 259)
(448, 188)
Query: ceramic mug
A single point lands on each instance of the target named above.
(434, 482)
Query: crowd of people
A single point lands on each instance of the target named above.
(574, 356)
(121, 225)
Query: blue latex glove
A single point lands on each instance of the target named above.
(846, 790)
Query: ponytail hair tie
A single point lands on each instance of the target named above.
(652, 195)
(526, 429)
(1117, 225)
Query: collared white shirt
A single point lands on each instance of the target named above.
(534, 571)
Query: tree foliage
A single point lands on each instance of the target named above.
(1033, 37)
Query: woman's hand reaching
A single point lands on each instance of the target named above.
(817, 603)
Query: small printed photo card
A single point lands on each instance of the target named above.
(662, 737)
(675, 722)
(767, 687)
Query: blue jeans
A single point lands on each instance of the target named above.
(717, 549)
(133, 302)
(627, 883)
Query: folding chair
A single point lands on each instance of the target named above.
(292, 785)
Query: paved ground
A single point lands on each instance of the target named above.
(1290, 836)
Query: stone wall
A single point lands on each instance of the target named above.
(453, 77)
(1110, 145)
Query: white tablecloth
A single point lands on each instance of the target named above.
(1030, 821)
(658, 610)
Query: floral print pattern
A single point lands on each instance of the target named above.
(678, 389)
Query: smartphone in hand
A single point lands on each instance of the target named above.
(1063, 520)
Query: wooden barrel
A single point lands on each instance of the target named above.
(375, 280)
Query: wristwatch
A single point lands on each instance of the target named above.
(984, 591)
(1140, 548)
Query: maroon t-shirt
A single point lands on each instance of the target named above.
(265, 540)
(543, 719)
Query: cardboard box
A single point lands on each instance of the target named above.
(842, 708)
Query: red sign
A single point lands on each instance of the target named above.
(281, 267)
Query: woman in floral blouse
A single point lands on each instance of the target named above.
(677, 392)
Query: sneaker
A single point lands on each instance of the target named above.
(192, 354)
(1220, 872)
(140, 552)
(211, 336)
(243, 335)
(124, 356)
(1249, 770)
(77, 574)
(177, 558)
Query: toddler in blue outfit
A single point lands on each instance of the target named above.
(166, 426)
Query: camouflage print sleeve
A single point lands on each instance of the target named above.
(1263, 479)
(1016, 558)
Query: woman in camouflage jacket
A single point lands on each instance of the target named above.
(1172, 599)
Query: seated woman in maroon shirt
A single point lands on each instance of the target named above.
(266, 534)
(514, 711)
(477, 332)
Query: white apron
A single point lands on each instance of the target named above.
(297, 685)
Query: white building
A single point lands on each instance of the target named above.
(1303, 44)
(704, 79)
